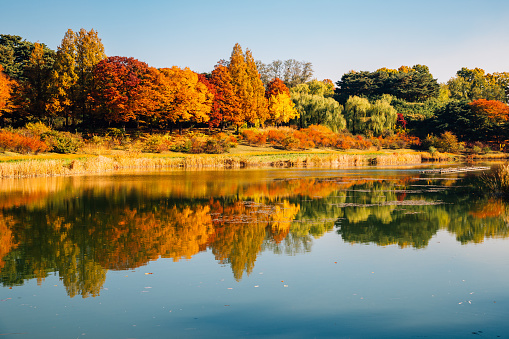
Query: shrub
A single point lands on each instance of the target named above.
(290, 142)
(476, 149)
(254, 137)
(448, 142)
(16, 142)
(62, 142)
(156, 143)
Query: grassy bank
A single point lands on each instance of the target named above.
(58, 165)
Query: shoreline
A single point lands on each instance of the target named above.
(45, 165)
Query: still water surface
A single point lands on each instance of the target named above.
(253, 253)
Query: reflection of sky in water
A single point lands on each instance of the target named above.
(361, 278)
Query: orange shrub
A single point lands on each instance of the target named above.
(321, 135)
(15, 142)
(304, 139)
(275, 136)
(254, 137)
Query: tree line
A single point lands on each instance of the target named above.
(79, 87)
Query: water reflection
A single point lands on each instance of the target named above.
(79, 228)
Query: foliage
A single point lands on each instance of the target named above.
(184, 97)
(73, 76)
(6, 87)
(481, 120)
(191, 143)
(414, 84)
(62, 142)
(15, 141)
(275, 87)
(227, 101)
(315, 107)
(447, 142)
(474, 84)
(281, 109)
(34, 94)
(123, 89)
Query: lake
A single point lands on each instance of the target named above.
(282, 253)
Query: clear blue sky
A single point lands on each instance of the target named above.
(335, 36)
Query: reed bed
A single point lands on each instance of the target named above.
(397, 159)
(496, 182)
(136, 161)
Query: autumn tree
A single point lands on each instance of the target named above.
(215, 115)
(275, 87)
(65, 77)
(229, 108)
(184, 97)
(281, 109)
(6, 85)
(240, 82)
(491, 116)
(124, 90)
(77, 56)
(257, 104)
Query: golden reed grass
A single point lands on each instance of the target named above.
(135, 161)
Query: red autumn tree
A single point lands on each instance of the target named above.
(492, 109)
(275, 87)
(225, 96)
(124, 89)
(216, 116)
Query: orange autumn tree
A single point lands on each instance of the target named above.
(124, 89)
(491, 116)
(6, 86)
(215, 115)
(184, 97)
(229, 107)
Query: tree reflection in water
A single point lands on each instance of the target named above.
(81, 228)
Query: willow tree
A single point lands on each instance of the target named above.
(316, 107)
(382, 117)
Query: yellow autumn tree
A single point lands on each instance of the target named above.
(183, 97)
(256, 108)
(281, 109)
(72, 77)
(238, 73)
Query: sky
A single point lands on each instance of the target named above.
(335, 36)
